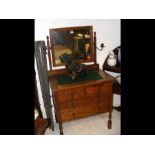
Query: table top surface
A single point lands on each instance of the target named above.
(105, 77)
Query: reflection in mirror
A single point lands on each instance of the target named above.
(77, 42)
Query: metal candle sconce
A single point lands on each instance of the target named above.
(101, 46)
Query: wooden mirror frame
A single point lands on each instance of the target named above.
(51, 54)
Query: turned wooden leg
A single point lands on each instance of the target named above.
(61, 129)
(110, 121)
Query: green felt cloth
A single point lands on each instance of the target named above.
(65, 79)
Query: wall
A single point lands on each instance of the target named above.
(107, 32)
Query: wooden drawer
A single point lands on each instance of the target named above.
(67, 115)
(90, 90)
(78, 92)
(84, 101)
(86, 110)
(64, 95)
(87, 100)
(65, 105)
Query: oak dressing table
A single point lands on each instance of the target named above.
(84, 96)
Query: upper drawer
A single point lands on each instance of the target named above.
(64, 95)
(78, 92)
(90, 90)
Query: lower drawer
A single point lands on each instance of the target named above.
(87, 110)
(67, 115)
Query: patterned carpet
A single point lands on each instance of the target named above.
(94, 125)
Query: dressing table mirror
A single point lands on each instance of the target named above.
(77, 42)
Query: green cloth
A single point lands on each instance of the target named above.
(66, 79)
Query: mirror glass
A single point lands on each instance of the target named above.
(75, 41)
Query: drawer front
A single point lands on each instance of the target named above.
(87, 100)
(86, 110)
(78, 92)
(65, 105)
(67, 115)
(64, 95)
(90, 90)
